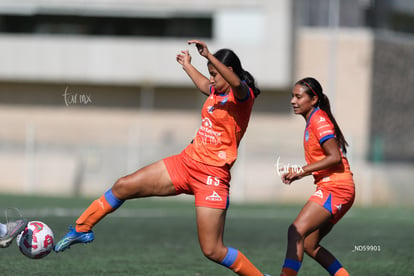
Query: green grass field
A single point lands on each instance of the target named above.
(158, 237)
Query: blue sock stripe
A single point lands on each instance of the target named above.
(292, 264)
(334, 267)
(230, 257)
(112, 200)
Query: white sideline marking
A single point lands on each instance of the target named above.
(157, 213)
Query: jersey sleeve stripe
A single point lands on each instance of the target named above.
(327, 137)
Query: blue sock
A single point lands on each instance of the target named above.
(231, 256)
(112, 200)
(334, 267)
(292, 264)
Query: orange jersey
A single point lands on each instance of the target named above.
(319, 129)
(224, 122)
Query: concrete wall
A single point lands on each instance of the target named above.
(392, 127)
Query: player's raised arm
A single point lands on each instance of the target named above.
(239, 88)
(202, 83)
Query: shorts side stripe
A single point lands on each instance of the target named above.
(328, 204)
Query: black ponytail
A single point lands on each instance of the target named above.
(248, 78)
(229, 58)
(314, 88)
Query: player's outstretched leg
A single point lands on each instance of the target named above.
(152, 180)
(82, 233)
(11, 229)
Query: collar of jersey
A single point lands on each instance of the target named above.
(316, 109)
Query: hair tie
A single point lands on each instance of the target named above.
(309, 87)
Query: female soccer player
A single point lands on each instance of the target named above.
(325, 147)
(202, 169)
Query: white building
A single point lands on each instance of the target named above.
(135, 41)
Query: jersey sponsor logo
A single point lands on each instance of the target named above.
(207, 123)
(318, 193)
(214, 197)
(206, 135)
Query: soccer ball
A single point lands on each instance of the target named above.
(36, 241)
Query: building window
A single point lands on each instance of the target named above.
(174, 26)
